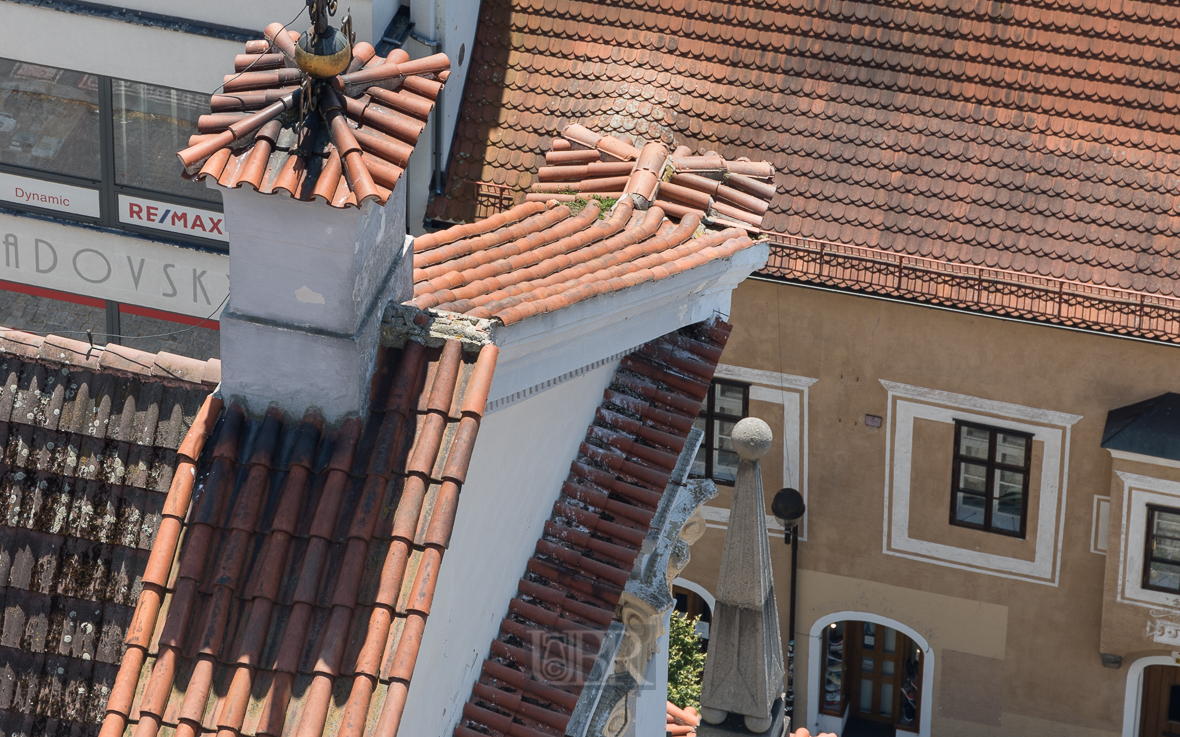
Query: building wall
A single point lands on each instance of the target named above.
(1015, 625)
(520, 460)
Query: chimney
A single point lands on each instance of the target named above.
(308, 285)
(308, 141)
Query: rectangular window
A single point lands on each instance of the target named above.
(726, 403)
(62, 130)
(989, 490)
(1161, 570)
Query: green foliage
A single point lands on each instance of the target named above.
(604, 204)
(686, 662)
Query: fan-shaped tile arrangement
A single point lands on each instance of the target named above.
(347, 143)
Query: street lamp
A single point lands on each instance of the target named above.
(788, 508)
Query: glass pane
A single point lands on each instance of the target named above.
(870, 634)
(151, 125)
(890, 641)
(725, 460)
(886, 699)
(1008, 505)
(886, 667)
(1166, 523)
(866, 695)
(1010, 449)
(1167, 549)
(698, 464)
(969, 508)
(973, 442)
(49, 119)
(866, 665)
(1164, 576)
(973, 477)
(728, 400)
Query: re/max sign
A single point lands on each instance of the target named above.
(172, 218)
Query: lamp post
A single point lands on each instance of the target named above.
(788, 508)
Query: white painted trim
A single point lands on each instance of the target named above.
(1123, 455)
(990, 406)
(1138, 492)
(1100, 525)
(815, 644)
(1132, 701)
(1045, 567)
(792, 392)
(697, 589)
(508, 401)
(766, 378)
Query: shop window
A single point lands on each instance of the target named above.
(150, 125)
(103, 151)
(49, 119)
(1161, 570)
(989, 489)
(726, 403)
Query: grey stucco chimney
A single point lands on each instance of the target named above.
(308, 285)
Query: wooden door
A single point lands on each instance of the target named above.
(1161, 702)
(876, 671)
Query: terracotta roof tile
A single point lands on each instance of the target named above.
(348, 147)
(949, 113)
(90, 455)
(290, 592)
(567, 594)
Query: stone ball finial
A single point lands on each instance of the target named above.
(751, 438)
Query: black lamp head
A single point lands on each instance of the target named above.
(788, 507)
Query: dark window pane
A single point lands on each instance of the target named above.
(1009, 500)
(725, 460)
(49, 119)
(1174, 704)
(1164, 576)
(728, 400)
(973, 442)
(151, 125)
(969, 508)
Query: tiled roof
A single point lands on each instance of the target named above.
(584, 163)
(556, 249)
(348, 146)
(682, 722)
(550, 637)
(91, 441)
(1039, 137)
(288, 593)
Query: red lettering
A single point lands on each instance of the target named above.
(180, 217)
(65, 202)
(20, 193)
(151, 213)
(199, 223)
(134, 210)
(215, 225)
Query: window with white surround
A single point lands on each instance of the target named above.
(1161, 558)
(727, 403)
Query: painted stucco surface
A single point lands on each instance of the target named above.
(1048, 633)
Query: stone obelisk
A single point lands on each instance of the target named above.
(744, 667)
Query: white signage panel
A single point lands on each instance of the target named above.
(104, 265)
(49, 195)
(172, 218)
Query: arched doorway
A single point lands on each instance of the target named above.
(871, 669)
(1152, 704)
(694, 600)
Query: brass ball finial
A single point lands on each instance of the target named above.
(323, 51)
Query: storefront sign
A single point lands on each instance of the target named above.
(49, 195)
(172, 218)
(104, 265)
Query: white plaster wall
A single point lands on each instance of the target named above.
(522, 456)
(651, 704)
(157, 56)
(117, 49)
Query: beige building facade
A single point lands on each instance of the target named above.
(1042, 625)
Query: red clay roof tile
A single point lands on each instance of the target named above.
(350, 147)
(302, 580)
(531, 679)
